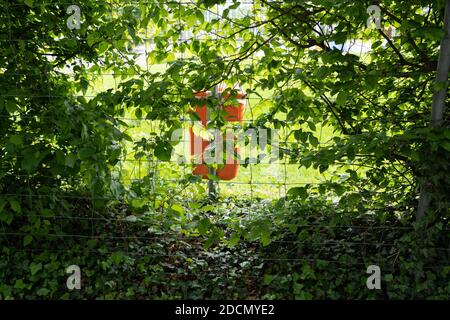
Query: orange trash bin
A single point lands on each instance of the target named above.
(234, 113)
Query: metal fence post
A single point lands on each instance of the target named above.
(437, 110)
(212, 190)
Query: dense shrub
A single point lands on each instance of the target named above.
(310, 252)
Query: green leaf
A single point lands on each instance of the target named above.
(102, 47)
(19, 284)
(163, 151)
(138, 113)
(138, 203)
(29, 3)
(177, 208)
(170, 57)
(341, 98)
(11, 107)
(5, 216)
(234, 239)
(117, 257)
(43, 292)
(204, 226)
(191, 20)
(70, 160)
(86, 153)
(207, 208)
(16, 139)
(15, 205)
(313, 140)
(213, 177)
(35, 267)
(27, 240)
(388, 277)
(2, 204)
(31, 159)
(298, 192)
(200, 16)
(446, 145)
(350, 152)
(267, 279)
(91, 38)
(323, 168)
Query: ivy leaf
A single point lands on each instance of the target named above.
(27, 240)
(43, 292)
(19, 284)
(388, 277)
(35, 267)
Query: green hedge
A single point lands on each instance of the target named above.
(277, 251)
